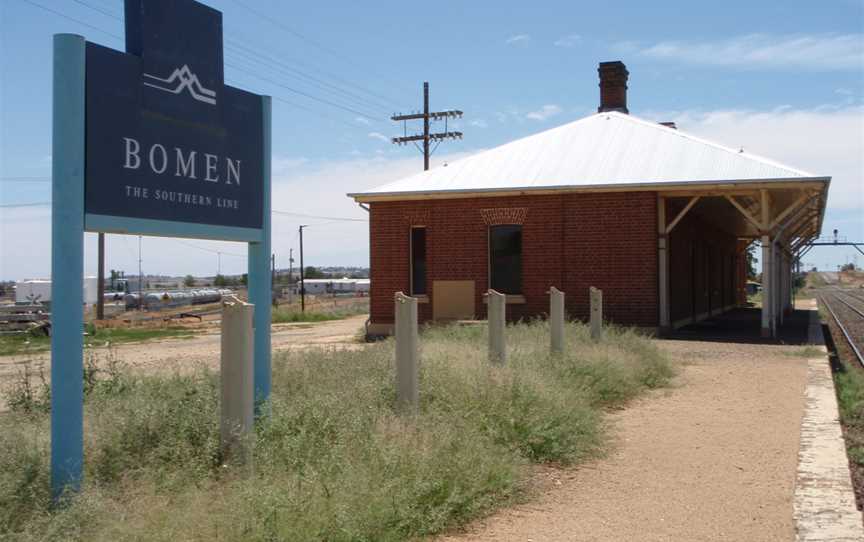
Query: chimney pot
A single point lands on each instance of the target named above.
(613, 86)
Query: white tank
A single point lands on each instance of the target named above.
(39, 291)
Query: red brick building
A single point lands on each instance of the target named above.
(656, 218)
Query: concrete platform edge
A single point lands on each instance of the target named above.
(824, 503)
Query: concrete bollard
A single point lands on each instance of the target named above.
(596, 313)
(407, 367)
(237, 375)
(556, 319)
(497, 318)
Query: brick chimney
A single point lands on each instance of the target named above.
(613, 86)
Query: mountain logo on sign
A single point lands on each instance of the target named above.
(179, 80)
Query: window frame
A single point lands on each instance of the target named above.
(489, 258)
(411, 288)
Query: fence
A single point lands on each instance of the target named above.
(407, 336)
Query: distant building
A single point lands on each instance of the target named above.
(753, 287)
(39, 291)
(336, 286)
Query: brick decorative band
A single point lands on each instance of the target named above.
(420, 217)
(504, 215)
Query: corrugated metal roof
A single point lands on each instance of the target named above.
(606, 149)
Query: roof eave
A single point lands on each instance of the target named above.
(369, 197)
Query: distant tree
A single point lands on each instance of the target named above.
(188, 281)
(313, 273)
(847, 267)
(244, 279)
(751, 262)
(220, 281)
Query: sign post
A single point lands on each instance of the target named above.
(150, 142)
(260, 277)
(67, 264)
(407, 370)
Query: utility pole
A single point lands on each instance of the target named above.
(427, 137)
(273, 278)
(290, 274)
(302, 282)
(140, 279)
(100, 280)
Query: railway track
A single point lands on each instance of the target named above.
(859, 295)
(848, 318)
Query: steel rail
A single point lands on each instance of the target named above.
(854, 294)
(857, 311)
(844, 331)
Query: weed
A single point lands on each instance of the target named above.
(29, 392)
(805, 352)
(334, 461)
(291, 314)
(22, 344)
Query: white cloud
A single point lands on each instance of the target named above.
(318, 188)
(546, 112)
(827, 140)
(285, 164)
(362, 120)
(379, 136)
(812, 52)
(571, 40)
(479, 123)
(518, 38)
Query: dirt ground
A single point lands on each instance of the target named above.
(714, 458)
(204, 348)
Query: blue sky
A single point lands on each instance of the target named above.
(782, 79)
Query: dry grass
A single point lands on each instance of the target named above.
(334, 461)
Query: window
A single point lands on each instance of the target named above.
(418, 261)
(505, 259)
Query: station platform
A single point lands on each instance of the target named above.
(744, 325)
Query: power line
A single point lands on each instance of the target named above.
(25, 179)
(294, 72)
(291, 31)
(324, 101)
(212, 251)
(275, 211)
(324, 115)
(231, 81)
(331, 218)
(307, 95)
(34, 204)
(73, 19)
(98, 9)
(314, 68)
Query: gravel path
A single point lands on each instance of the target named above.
(714, 458)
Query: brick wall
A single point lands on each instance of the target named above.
(571, 241)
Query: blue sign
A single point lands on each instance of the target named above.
(166, 139)
(150, 142)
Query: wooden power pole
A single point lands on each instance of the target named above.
(302, 278)
(100, 280)
(426, 137)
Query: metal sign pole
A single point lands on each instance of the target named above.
(67, 265)
(260, 287)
